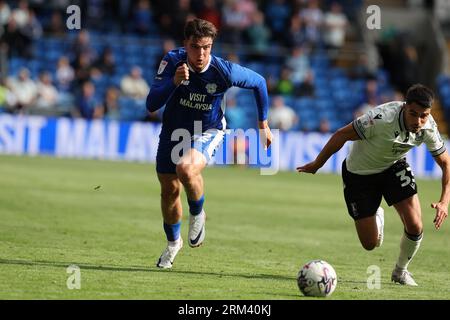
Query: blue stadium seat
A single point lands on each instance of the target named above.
(273, 70)
(319, 61)
(257, 67)
(319, 72)
(383, 76)
(444, 90)
(309, 122)
(115, 81)
(322, 92)
(133, 50)
(337, 73)
(245, 98)
(53, 55)
(98, 47)
(301, 104)
(324, 104)
(443, 80)
(341, 95)
(133, 60)
(358, 85)
(52, 43)
(321, 82)
(131, 109)
(346, 105)
(288, 100)
(152, 50)
(345, 116)
(327, 114)
(339, 83)
(446, 103)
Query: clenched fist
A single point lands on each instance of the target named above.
(181, 74)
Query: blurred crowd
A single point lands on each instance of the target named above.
(78, 83)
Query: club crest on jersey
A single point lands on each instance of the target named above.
(162, 66)
(211, 88)
(419, 136)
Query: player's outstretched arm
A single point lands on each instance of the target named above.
(337, 140)
(443, 160)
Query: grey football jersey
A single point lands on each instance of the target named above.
(385, 140)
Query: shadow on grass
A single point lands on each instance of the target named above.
(85, 266)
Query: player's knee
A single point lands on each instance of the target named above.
(369, 245)
(415, 228)
(184, 172)
(170, 194)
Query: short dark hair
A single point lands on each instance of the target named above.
(199, 28)
(420, 95)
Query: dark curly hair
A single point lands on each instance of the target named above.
(199, 28)
(420, 95)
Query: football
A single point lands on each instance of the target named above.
(317, 278)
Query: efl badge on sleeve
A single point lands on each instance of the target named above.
(162, 66)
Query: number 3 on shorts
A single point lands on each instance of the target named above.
(403, 177)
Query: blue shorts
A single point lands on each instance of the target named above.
(169, 152)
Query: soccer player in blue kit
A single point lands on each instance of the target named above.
(191, 83)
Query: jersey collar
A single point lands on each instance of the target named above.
(204, 69)
(401, 119)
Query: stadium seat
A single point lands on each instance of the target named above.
(322, 92)
(309, 123)
(335, 124)
(336, 72)
(445, 91)
(443, 80)
(257, 67)
(131, 109)
(288, 100)
(320, 82)
(383, 76)
(327, 114)
(324, 104)
(301, 104)
(273, 70)
(339, 83)
(342, 95)
(115, 81)
(319, 61)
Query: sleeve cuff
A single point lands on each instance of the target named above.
(356, 127)
(439, 151)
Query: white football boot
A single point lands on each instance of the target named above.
(403, 277)
(169, 254)
(197, 229)
(379, 216)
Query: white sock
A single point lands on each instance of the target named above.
(408, 249)
(174, 243)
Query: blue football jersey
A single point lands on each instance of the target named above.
(201, 97)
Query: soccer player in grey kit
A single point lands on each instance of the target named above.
(191, 83)
(376, 168)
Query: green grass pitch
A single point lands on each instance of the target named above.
(105, 218)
